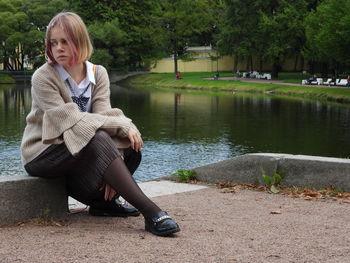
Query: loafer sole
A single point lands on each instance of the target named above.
(96, 212)
(162, 233)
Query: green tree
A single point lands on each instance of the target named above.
(22, 32)
(280, 30)
(182, 20)
(109, 41)
(12, 34)
(138, 23)
(328, 33)
(238, 30)
(271, 30)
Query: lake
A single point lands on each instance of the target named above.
(182, 130)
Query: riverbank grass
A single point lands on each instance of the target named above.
(6, 79)
(203, 81)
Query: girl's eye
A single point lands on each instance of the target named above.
(53, 43)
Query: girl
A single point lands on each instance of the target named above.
(72, 130)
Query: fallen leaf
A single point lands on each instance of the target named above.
(346, 201)
(310, 198)
(312, 194)
(231, 260)
(57, 224)
(227, 190)
(257, 199)
(276, 212)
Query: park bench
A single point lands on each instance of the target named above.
(342, 82)
(264, 76)
(257, 76)
(318, 81)
(329, 82)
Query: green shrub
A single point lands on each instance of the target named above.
(272, 181)
(185, 176)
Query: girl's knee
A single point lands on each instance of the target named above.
(102, 135)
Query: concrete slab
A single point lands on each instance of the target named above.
(24, 197)
(151, 189)
(296, 170)
(242, 169)
(160, 188)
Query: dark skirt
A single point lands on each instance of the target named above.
(84, 172)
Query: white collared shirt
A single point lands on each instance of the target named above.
(79, 88)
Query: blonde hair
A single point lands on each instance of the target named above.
(77, 36)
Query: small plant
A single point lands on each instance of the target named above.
(272, 182)
(185, 175)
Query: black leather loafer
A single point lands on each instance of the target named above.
(161, 224)
(112, 208)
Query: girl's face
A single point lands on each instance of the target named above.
(60, 47)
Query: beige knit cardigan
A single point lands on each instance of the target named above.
(54, 118)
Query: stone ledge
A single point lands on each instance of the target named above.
(25, 197)
(296, 170)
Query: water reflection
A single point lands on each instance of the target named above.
(183, 130)
(14, 106)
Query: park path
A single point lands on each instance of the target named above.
(216, 226)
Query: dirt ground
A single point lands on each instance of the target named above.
(215, 227)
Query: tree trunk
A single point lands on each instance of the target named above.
(251, 63)
(175, 62)
(302, 62)
(296, 62)
(235, 63)
(175, 57)
(275, 67)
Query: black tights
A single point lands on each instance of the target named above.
(119, 178)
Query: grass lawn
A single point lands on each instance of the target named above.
(5, 79)
(197, 81)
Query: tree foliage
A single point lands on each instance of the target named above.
(269, 29)
(22, 32)
(135, 24)
(131, 34)
(182, 20)
(328, 32)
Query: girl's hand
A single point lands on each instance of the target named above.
(135, 140)
(109, 191)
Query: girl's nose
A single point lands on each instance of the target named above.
(60, 46)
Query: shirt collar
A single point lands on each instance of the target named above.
(90, 72)
(90, 76)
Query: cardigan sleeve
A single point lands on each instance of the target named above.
(45, 91)
(101, 103)
(101, 92)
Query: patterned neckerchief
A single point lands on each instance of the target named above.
(80, 100)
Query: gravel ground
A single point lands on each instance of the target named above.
(215, 227)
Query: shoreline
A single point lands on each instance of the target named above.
(231, 85)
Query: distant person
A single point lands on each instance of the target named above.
(348, 82)
(254, 74)
(334, 80)
(72, 131)
(178, 75)
(238, 74)
(217, 75)
(311, 79)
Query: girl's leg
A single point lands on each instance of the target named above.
(118, 176)
(156, 221)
